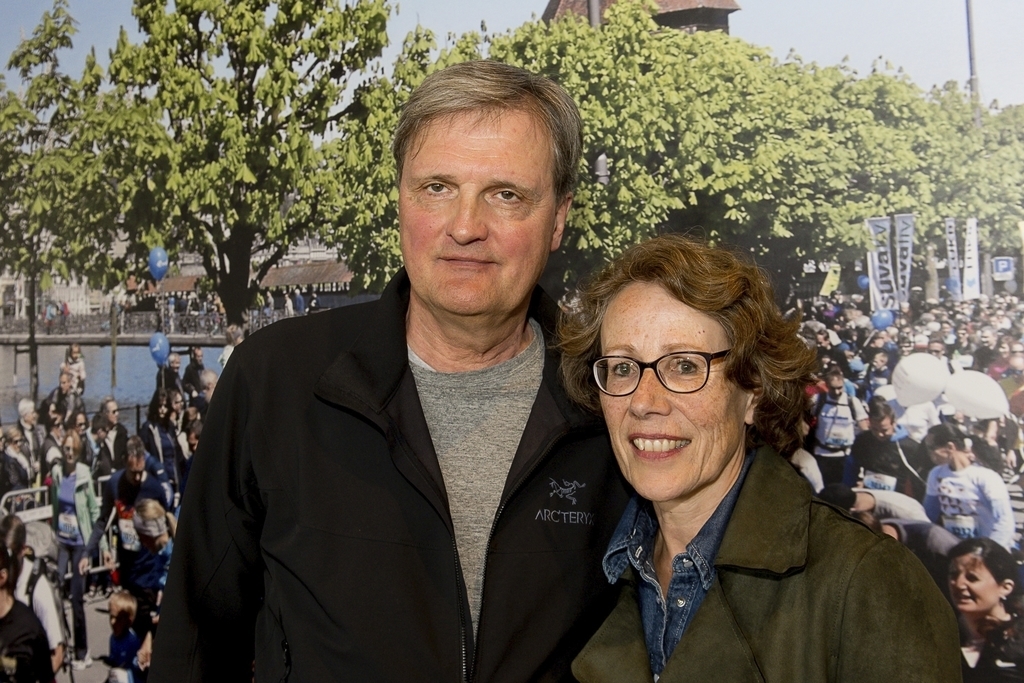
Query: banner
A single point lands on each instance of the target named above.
(953, 261)
(883, 282)
(831, 280)
(904, 253)
(972, 273)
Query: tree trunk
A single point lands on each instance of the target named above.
(233, 280)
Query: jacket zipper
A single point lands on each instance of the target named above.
(462, 612)
(529, 473)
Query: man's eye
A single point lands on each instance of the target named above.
(508, 195)
(435, 188)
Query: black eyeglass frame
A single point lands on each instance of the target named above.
(653, 365)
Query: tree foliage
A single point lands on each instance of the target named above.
(218, 145)
(55, 197)
(706, 133)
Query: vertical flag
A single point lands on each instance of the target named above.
(972, 273)
(954, 283)
(904, 253)
(883, 282)
(831, 280)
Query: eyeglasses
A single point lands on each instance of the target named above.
(683, 372)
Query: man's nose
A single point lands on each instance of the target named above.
(469, 223)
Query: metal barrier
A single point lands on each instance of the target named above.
(35, 505)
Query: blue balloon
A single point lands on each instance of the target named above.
(159, 347)
(158, 263)
(881, 319)
(863, 281)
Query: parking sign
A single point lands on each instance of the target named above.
(1002, 268)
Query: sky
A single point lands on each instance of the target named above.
(926, 38)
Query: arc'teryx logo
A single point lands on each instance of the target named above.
(565, 490)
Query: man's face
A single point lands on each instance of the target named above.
(112, 412)
(197, 356)
(835, 385)
(193, 442)
(134, 469)
(32, 418)
(65, 384)
(937, 349)
(882, 428)
(478, 214)
(988, 338)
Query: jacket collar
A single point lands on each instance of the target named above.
(775, 542)
(370, 371)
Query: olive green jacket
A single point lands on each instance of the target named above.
(802, 593)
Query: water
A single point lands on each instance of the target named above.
(136, 377)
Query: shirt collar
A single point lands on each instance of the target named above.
(633, 540)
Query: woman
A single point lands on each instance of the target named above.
(984, 586)
(966, 498)
(728, 569)
(157, 433)
(75, 512)
(26, 652)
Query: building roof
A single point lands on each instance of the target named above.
(556, 9)
(323, 272)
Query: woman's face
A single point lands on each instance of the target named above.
(973, 588)
(673, 448)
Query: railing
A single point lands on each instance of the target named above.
(35, 505)
(193, 323)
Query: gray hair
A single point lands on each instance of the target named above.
(25, 407)
(208, 378)
(489, 87)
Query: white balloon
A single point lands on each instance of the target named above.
(977, 395)
(919, 378)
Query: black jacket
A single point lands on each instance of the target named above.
(315, 535)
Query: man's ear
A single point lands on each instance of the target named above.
(561, 213)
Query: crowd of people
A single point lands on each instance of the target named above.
(111, 500)
(928, 474)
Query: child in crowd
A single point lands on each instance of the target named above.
(124, 644)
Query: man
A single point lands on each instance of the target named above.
(839, 416)
(64, 398)
(207, 383)
(193, 370)
(890, 461)
(117, 435)
(168, 377)
(986, 353)
(122, 492)
(404, 492)
(31, 431)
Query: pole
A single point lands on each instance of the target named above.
(33, 350)
(113, 343)
(594, 10)
(975, 95)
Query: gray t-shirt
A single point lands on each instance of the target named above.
(476, 420)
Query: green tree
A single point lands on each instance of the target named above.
(55, 199)
(707, 134)
(219, 145)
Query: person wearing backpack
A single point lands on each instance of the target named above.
(34, 588)
(839, 417)
(75, 512)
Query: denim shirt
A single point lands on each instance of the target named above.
(665, 620)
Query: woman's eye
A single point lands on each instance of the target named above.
(622, 369)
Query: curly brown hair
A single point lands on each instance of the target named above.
(768, 356)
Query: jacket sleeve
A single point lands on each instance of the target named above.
(896, 626)
(215, 584)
